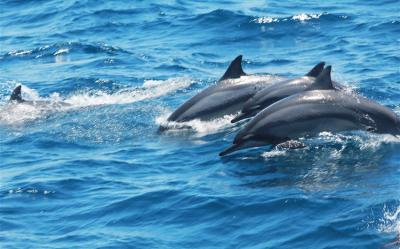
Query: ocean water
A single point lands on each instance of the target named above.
(97, 174)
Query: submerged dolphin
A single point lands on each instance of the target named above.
(16, 97)
(227, 96)
(312, 112)
(281, 90)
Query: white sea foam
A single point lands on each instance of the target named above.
(200, 127)
(266, 19)
(274, 153)
(390, 223)
(367, 142)
(150, 89)
(20, 52)
(364, 140)
(61, 51)
(304, 17)
(14, 114)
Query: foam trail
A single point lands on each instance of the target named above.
(19, 113)
(150, 89)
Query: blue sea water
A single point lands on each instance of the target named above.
(98, 174)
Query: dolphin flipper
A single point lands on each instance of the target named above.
(234, 70)
(316, 70)
(16, 95)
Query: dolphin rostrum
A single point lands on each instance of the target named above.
(312, 112)
(314, 80)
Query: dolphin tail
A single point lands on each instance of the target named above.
(316, 70)
(16, 94)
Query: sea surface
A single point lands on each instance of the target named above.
(98, 174)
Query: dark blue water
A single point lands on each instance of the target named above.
(98, 175)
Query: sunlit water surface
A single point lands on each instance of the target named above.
(97, 174)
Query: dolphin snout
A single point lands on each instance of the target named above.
(231, 149)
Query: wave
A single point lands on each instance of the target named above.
(302, 17)
(226, 15)
(63, 48)
(391, 26)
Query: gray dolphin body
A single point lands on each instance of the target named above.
(312, 112)
(281, 90)
(16, 97)
(228, 95)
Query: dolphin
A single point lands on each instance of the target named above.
(281, 90)
(227, 96)
(312, 112)
(16, 97)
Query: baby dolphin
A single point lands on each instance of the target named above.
(281, 90)
(312, 112)
(16, 97)
(226, 97)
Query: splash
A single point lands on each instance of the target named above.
(363, 141)
(198, 126)
(390, 223)
(266, 19)
(273, 153)
(304, 17)
(300, 17)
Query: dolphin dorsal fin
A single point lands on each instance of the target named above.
(16, 94)
(234, 70)
(316, 70)
(324, 81)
